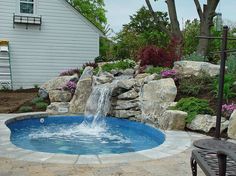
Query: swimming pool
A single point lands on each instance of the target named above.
(70, 135)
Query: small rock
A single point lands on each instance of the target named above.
(125, 113)
(59, 96)
(43, 93)
(206, 122)
(141, 76)
(126, 83)
(124, 104)
(132, 94)
(58, 108)
(172, 120)
(128, 71)
(149, 78)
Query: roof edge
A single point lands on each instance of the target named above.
(101, 33)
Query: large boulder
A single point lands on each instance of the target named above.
(232, 126)
(58, 108)
(87, 73)
(163, 90)
(81, 95)
(56, 83)
(59, 96)
(194, 68)
(172, 120)
(156, 96)
(206, 122)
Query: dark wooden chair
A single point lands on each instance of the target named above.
(214, 162)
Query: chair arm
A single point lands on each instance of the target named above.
(232, 155)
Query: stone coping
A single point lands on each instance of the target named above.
(175, 142)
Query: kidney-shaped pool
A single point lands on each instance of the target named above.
(73, 135)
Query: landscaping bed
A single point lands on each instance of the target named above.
(12, 101)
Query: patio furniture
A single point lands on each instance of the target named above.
(214, 162)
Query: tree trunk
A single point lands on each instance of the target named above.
(206, 16)
(176, 34)
(203, 44)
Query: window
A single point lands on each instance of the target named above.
(27, 6)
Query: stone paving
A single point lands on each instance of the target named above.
(172, 159)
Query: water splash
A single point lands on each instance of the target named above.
(98, 106)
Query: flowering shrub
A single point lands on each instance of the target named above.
(151, 55)
(71, 72)
(227, 110)
(169, 74)
(70, 86)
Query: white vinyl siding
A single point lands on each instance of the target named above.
(66, 40)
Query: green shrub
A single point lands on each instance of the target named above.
(25, 109)
(193, 106)
(41, 105)
(36, 86)
(231, 64)
(157, 70)
(228, 86)
(195, 57)
(100, 59)
(37, 100)
(193, 85)
(119, 65)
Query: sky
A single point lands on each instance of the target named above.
(118, 11)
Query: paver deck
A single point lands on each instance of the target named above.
(171, 158)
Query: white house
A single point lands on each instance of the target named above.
(45, 37)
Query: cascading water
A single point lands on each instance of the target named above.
(98, 106)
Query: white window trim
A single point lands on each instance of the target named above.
(27, 14)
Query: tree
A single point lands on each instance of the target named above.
(206, 15)
(94, 10)
(139, 32)
(174, 31)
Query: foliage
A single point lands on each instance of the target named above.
(37, 100)
(36, 86)
(90, 64)
(106, 50)
(192, 29)
(228, 86)
(231, 64)
(118, 65)
(94, 10)
(193, 106)
(151, 55)
(41, 105)
(195, 84)
(70, 86)
(190, 33)
(141, 31)
(71, 72)
(228, 109)
(194, 57)
(156, 70)
(25, 109)
(100, 59)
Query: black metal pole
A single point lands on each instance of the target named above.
(221, 81)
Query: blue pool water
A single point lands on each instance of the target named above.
(67, 134)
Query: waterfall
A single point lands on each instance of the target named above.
(98, 105)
